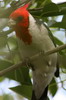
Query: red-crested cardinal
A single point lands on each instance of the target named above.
(33, 37)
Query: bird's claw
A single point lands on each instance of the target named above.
(28, 63)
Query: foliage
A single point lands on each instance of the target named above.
(9, 52)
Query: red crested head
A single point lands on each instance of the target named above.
(21, 18)
(20, 15)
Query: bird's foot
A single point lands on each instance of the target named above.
(28, 63)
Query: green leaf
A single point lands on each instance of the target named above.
(50, 8)
(59, 25)
(57, 41)
(24, 90)
(62, 5)
(7, 2)
(3, 41)
(1, 97)
(22, 76)
(64, 18)
(1, 79)
(39, 2)
(62, 60)
(12, 42)
(3, 53)
(47, 2)
(53, 87)
(7, 97)
(5, 64)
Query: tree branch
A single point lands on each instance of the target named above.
(11, 68)
(24, 63)
(57, 49)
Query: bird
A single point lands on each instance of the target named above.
(33, 37)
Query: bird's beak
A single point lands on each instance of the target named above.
(11, 22)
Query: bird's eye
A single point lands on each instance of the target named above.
(19, 18)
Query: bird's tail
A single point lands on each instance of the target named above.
(43, 96)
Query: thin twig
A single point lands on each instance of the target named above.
(57, 49)
(21, 64)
